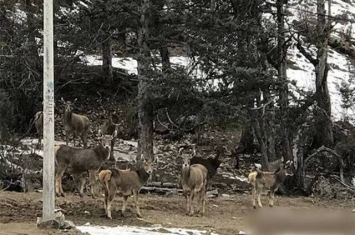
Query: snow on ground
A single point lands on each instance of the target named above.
(128, 230)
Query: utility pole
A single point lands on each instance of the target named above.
(48, 112)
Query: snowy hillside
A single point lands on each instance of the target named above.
(340, 64)
(301, 71)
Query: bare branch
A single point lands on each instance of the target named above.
(331, 151)
(306, 54)
(170, 120)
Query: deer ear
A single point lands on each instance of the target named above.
(180, 151)
(62, 99)
(99, 133)
(194, 152)
(114, 134)
(156, 160)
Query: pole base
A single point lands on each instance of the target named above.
(56, 221)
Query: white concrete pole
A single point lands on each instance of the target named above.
(48, 112)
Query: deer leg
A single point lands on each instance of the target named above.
(135, 197)
(253, 197)
(74, 136)
(67, 137)
(186, 194)
(271, 197)
(203, 199)
(124, 203)
(105, 200)
(84, 139)
(191, 203)
(58, 181)
(111, 196)
(111, 193)
(203, 203)
(258, 193)
(199, 201)
(61, 187)
(81, 185)
(39, 140)
(112, 146)
(92, 183)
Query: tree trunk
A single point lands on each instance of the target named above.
(145, 107)
(282, 77)
(247, 139)
(164, 53)
(107, 56)
(32, 47)
(258, 129)
(323, 123)
(270, 122)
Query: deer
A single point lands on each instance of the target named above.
(194, 184)
(270, 181)
(38, 121)
(108, 128)
(79, 161)
(211, 163)
(127, 182)
(75, 123)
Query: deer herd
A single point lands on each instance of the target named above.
(196, 172)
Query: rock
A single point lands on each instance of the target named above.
(211, 194)
(87, 224)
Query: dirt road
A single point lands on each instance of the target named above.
(225, 215)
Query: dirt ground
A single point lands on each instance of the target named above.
(224, 215)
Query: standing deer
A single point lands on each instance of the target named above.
(80, 161)
(126, 182)
(194, 184)
(38, 121)
(268, 180)
(75, 123)
(108, 128)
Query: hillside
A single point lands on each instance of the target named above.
(300, 71)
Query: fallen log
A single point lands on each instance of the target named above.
(162, 184)
(160, 191)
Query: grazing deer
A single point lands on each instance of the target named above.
(127, 182)
(194, 184)
(80, 161)
(268, 180)
(75, 123)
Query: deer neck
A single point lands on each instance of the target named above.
(102, 152)
(185, 173)
(280, 176)
(67, 116)
(143, 175)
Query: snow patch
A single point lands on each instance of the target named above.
(128, 230)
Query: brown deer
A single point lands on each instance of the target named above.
(38, 121)
(127, 182)
(79, 161)
(108, 128)
(75, 124)
(268, 180)
(194, 184)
